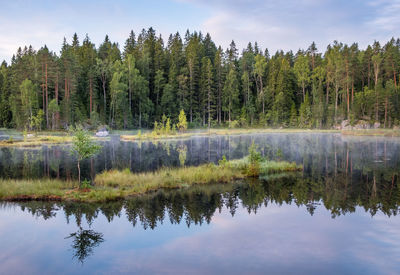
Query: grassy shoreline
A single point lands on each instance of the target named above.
(372, 132)
(232, 132)
(62, 137)
(40, 140)
(220, 132)
(36, 141)
(114, 185)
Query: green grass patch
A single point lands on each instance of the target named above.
(43, 189)
(35, 141)
(221, 132)
(114, 185)
(372, 132)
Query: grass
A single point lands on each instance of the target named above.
(222, 132)
(113, 185)
(35, 141)
(43, 189)
(39, 140)
(373, 132)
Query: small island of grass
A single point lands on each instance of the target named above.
(33, 141)
(113, 185)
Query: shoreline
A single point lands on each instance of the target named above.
(58, 138)
(115, 184)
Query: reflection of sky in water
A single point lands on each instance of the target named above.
(341, 173)
(278, 239)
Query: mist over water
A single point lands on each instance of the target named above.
(340, 215)
(317, 152)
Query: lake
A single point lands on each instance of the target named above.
(338, 216)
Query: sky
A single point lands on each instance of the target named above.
(285, 25)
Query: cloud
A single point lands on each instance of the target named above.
(286, 25)
(387, 17)
(294, 24)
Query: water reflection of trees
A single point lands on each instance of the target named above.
(319, 153)
(339, 194)
(83, 243)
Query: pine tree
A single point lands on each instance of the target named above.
(231, 93)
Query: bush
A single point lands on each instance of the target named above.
(233, 124)
(182, 123)
(253, 169)
(223, 162)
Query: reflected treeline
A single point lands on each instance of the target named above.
(339, 194)
(320, 154)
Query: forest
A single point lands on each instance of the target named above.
(135, 85)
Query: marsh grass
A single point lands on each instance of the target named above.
(220, 132)
(112, 185)
(42, 189)
(40, 140)
(373, 132)
(36, 141)
(167, 177)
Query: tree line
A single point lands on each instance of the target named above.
(135, 86)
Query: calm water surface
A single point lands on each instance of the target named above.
(339, 216)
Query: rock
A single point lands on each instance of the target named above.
(362, 124)
(102, 128)
(345, 124)
(377, 125)
(102, 133)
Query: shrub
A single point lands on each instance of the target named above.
(253, 169)
(233, 124)
(83, 147)
(182, 123)
(223, 162)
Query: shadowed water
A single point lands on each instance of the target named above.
(338, 216)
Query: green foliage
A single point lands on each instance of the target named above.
(234, 124)
(29, 103)
(253, 168)
(95, 119)
(231, 93)
(223, 162)
(135, 87)
(37, 121)
(293, 116)
(163, 127)
(83, 146)
(86, 184)
(182, 123)
(305, 115)
(302, 70)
